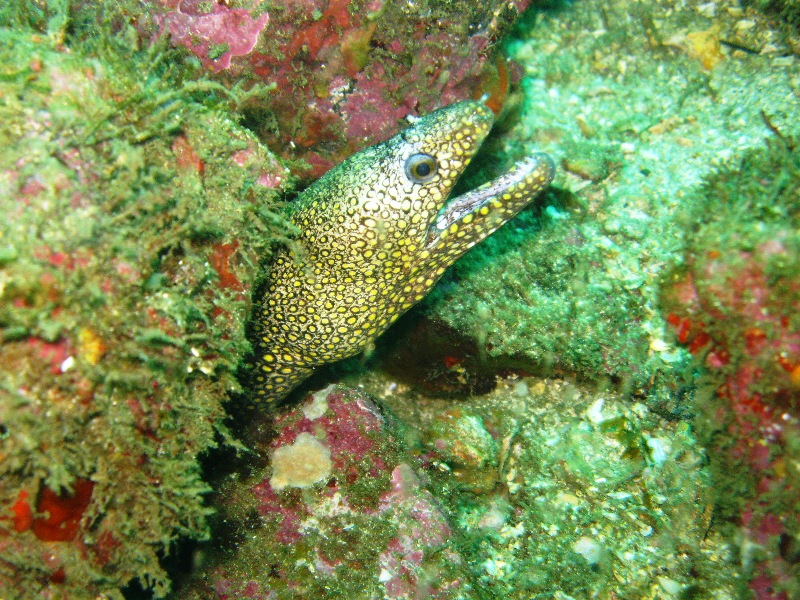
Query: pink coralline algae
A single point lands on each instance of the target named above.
(347, 72)
(740, 320)
(403, 559)
(346, 512)
(734, 305)
(214, 37)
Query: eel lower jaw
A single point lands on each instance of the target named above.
(507, 194)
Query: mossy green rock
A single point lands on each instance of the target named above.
(134, 217)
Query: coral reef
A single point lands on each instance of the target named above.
(637, 113)
(553, 487)
(140, 211)
(338, 512)
(345, 72)
(621, 364)
(735, 305)
(125, 268)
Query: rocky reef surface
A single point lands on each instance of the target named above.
(601, 401)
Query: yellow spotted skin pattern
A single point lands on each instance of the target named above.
(377, 232)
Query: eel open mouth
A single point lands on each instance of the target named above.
(477, 213)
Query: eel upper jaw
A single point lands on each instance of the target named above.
(525, 180)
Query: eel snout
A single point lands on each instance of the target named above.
(490, 205)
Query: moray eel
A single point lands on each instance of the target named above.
(377, 232)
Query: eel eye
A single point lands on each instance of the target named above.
(421, 168)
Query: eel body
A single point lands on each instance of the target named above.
(377, 232)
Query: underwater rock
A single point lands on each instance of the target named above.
(570, 289)
(460, 442)
(339, 508)
(123, 294)
(556, 485)
(345, 72)
(215, 34)
(734, 306)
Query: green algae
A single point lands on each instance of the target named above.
(744, 253)
(593, 261)
(552, 305)
(637, 121)
(132, 237)
(590, 495)
(662, 159)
